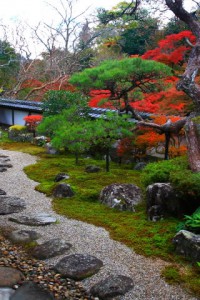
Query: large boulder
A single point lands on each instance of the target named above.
(187, 244)
(78, 266)
(63, 190)
(162, 200)
(112, 286)
(121, 196)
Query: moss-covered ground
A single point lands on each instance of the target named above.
(151, 239)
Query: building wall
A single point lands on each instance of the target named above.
(9, 116)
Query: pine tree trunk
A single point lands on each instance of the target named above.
(192, 129)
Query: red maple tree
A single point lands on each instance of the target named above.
(172, 50)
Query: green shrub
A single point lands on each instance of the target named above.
(192, 223)
(161, 171)
(176, 171)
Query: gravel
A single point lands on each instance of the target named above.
(86, 238)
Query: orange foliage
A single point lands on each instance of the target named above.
(177, 151)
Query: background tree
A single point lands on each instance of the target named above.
(131, 34)
(9, 65)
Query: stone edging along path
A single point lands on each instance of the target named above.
(80, 244)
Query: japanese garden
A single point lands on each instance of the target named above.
(100, 154)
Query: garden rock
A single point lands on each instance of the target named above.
(40, 140)
(78, 266)
(63, 190)
(112, 286)
(50, 149)
(9, 276)
(23, 236)
(34, 220)
(121, 196)
(187, 244)
(31, 291)
(140, 166)
(61, 176)
(50, 248)
(162, 200)
(92, 169)
(10, 205)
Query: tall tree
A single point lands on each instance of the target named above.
(121, 77)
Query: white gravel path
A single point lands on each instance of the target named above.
(86, 238)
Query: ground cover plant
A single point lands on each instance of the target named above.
(145, 237)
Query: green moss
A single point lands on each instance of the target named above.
(172, 275)
(196, 120)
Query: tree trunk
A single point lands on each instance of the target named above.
(188, 82)
(167, 140)
(192, 129)
(76, 158)
(107, 160)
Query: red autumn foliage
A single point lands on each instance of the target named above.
(171, 50)
(97, 96)
(32, 121)
(40, 88)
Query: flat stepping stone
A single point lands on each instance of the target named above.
(6, 293)
(78, 266)
(2, 192)
(10, 205)
(112, 286)
(5, 165)
(50, 248)
(31, 291)
(9, 276)
(23, 236)
(34, 220)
